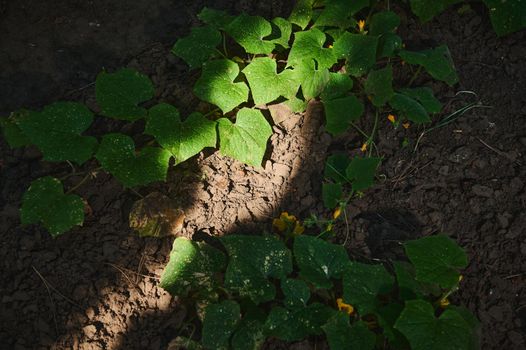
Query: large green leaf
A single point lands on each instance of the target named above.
(425, 96)
(297, 293)
(117, 155)
(46, 202)
(361, 172)
(282, 30)
(199, 46)
(427, 9)
(383, 22)
(388, 45)
(252, 260)
(219, 323)
(246, 140)
(437, 62)
(408, 287)
(362, 283)
(297, 324)
(266, 84)
(340, 112)
(359, 52)
(437, 259)
(216, 85)
(184, 139)
(332, 194)
(12, 132)
(250, 31)
(342, 336)
(313, 80)
(319, 261)
(250, 332)
(336, 166)
(337, 13)
(427, 332)
(302, 13)
(338, 86)
(218, 19)
(507, 16)
(118, 94)
(409, 108)
(192, 268)
(308, 46)
(57, 129)
(379, 85)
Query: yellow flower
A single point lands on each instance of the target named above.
(364, 147)
(406, 125)
(348, 308)
(361, 25)
(391, 118)
(444, 303)
(286, 216)
(279, 224)
(329, 227)
(460, 278)
(298, 229)
(337, 213)
(330, 46)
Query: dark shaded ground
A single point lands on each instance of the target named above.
(466, 179)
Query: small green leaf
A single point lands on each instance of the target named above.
(296, 292)
(46, 202)
(319, 261)
(246, 140)
(57, 129)
(361, 172)
(338, 86)
(383, 22)
(218, 19)
(252, 260)
(250, 31)
(296, 105)
(216, 85)
(425, 96)
(342, 336)
(337, 13)
(427, 332)
(437, 259)
(427, 9)
(117, 155)
(266, 84)
(336, 167)
(118, 94)
(409, 108)
(308, 46)
(302, 13)
(507, 16)
(340, 112)
(313, 80)
(362, 283)
(282, 30)
(388, 45)
(199, 46)
(379, 85)
(184, 139)
(359, 52)
(437, 62)
(331, 194)
(192, 268)
(12, 132)
(299, 323)
(219, 323)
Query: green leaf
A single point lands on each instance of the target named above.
(340, 112)
(507, 16)
(387, 316)
(252, 260)
(192, 268)
(427, 332)
(409, 108)
(246, 140)
(383, 22)
(12, 132)
(296, 105)
(361, 172)
(437, 259)
(219, 323)
(216, 85)
(266, 84)
(362, 283)
(57, 129)
(359, 52)
(437, 62)
(313, 80)
(249, 335)
(299, 323)
(46, 202)
(117, 155)
(319, 261)
(332, 194)
(408, 287)
(472, 322)
(199, 46)
(282, 30)
(250, 31)
(337, 13)
(118, 94)
(336, 167)
(425, 96)
(302, 13)
(308, 46)
(379, 85)
(184, 139)
(427, 9)
(218, 19)
(338, 86)
(342, 336)
(388, 45)
(296, 292)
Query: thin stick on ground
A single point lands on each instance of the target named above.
(50, 286)
(50, 299)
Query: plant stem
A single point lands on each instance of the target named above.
(224, 45)
(414, 76)
(84, 179)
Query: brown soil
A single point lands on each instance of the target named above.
(96, 287)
